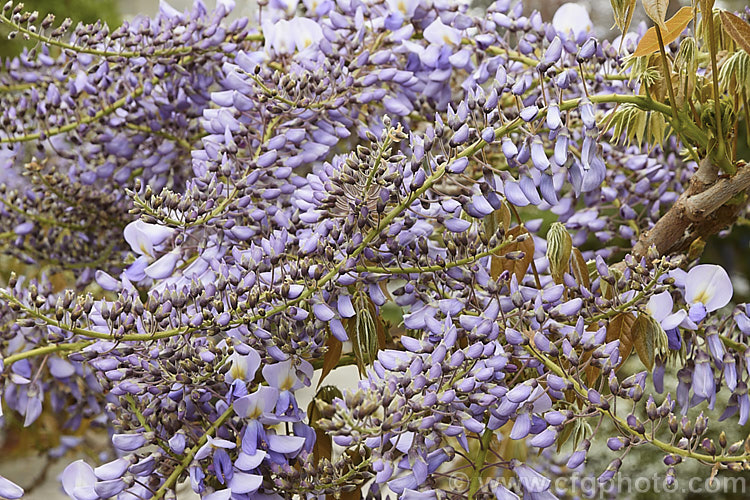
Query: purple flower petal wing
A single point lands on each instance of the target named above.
(285, 444)
(9, 489)
(78, 481)
(710, 285)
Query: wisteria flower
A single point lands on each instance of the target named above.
(78, 480)
(707, 288)
(659, 307)
(441, 34)
(9, 489)
(283, 376)
(143, 238)
(572, 20)
(284, 37)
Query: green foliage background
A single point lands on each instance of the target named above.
(87, 11)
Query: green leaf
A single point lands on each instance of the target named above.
(623, 12)
(656, 10)
(559, 247)
(367, 332)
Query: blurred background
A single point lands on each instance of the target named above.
(21, 454)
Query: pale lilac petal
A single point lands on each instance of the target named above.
(323, 312)
(673, 320)
(710, 285)
(531, 480)
(280, 375)
(514, 194)
(78, 481)
(224, 494)
(256, 404)
(440, 34)
(164, 266)
(128, 442)
(60, 368)
(9, 489)
(572, 21)
(112, 470)
(285, 444)
(457, 225)
(142, 237)
(242, 482)
(660, 306)
(108, 489)
(248, 462)
(345, 306)
(243, 367)
(338, 330)
(106, 281)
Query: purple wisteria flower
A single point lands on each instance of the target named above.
(707, 288)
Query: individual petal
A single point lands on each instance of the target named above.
(258, 403)
(60, 368)
(78, 481)
(285, 444)
(224, 494)
(456, 225)
(710, 285)
(673, 320)
(243, 367)
(323, 312)
(9, 489)
(280, 375)
(106, 281)
(659, 306)
(572, 21)
(142, 237)
(531, 480)
(345, 306)
(242, 483)
(440, 34)
(108, 489)
(128, 442)
(112, 470)
(164, 266)
(545, 438)
(246, 462)
(502, 493)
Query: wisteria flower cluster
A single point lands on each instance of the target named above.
(495, 217)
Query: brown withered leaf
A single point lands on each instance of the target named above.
(515, 266)
(676, 25)
(500, 218)
(621, 327)
(580, 269)
(738, 29)
(591, 372)
(564, 435)
(323, 447)
(645, 331)
(331, 358)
